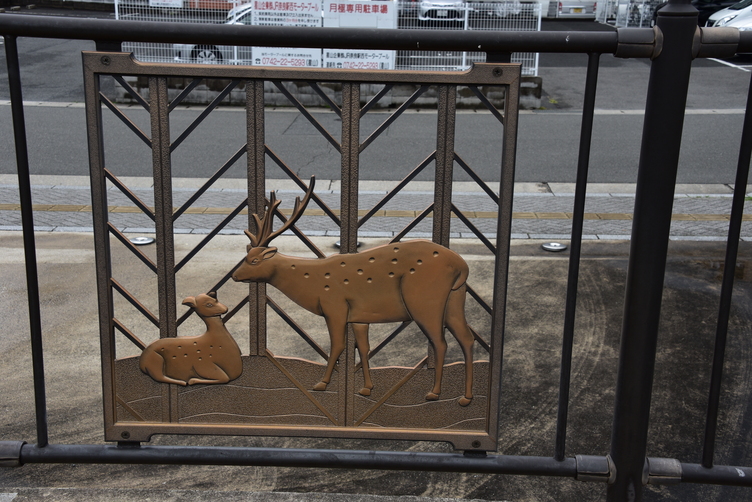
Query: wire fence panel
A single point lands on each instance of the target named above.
(629, 13)
(508, 15)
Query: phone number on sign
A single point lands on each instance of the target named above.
(280, 61)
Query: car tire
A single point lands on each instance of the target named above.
(206, 54)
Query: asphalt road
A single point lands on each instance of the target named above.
(548, 138)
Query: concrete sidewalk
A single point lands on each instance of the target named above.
(541, 210)
(530, 376)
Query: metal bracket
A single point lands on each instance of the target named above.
(10, 453)
(662, 471)
(718, 42)
(639, 42)
(595, 468)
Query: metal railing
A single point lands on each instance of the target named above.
(626, 470)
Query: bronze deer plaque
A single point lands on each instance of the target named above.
(207, 374)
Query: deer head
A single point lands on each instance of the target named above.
(256, 266)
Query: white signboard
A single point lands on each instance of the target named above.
(360, 14)
(282, 56)
(356, 59)
(286, 13)
(166, 3)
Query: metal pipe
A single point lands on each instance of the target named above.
(27, 223)
(656, 180)
(103, 30)
(283, 457)
(578, 215)
(717, 475)
(727, 287)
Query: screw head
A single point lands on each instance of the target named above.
(105, 60)
(497, 72)
(125, 435)
(476, 444)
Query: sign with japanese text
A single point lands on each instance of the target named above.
(178, 4)
(286, 13)
(360, 14)
(358, 59)
(286, 57)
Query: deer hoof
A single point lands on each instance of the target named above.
(365, 391)
(432, 397)
(464, 401)
(320, 386)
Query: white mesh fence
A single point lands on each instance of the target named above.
(508, 15)
(635, 13)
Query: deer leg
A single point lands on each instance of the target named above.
(153, 365)
(455, 321)
(361, 339)
(210, 375)
(337, 335)
(435, 333)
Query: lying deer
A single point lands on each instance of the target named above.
(414, 280)
(213, 357)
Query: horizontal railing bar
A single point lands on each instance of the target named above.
(284, 457)
(717, 475)
(334, 38)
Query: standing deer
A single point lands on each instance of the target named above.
(414, 280)
(213, 357)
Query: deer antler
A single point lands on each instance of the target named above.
(265, 223)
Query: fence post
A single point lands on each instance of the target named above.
(659, 159)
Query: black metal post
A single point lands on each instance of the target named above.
(27, 223)
(656, 179)
(727, 287)
(578, 215)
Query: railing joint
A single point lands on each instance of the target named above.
(595, 468)
(639, 42)
(662, 471)
(718, 42)
(10, 453)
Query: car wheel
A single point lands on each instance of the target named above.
(206, 55)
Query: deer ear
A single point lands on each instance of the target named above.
(190, 301)
(269, 253)
(213, 294)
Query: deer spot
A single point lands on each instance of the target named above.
(420, 262)
(326, 288)
(342, 264)
(412, 270)
(360, 271)
(327, 275)
(346, 281)
(369, 280)
(435, 254)
(292, 267)
(394, 261)
(371, 259)
(396, 249)
(306, 275)
(391, 274)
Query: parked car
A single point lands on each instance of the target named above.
(214, 54)
(441, 10)
(709, 7)
(583, 9)
(723, 17)
(742, 23)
